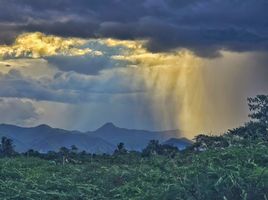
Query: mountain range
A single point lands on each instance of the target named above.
(44, 138)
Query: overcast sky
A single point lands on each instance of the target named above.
(145, 64)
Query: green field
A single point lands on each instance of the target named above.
(231, 173)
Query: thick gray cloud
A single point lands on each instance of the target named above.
(90, 64)
(69, 87)
(82, 64)
(18, 111)
(204, 26)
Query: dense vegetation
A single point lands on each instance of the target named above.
(231, 166)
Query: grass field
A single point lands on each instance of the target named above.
(228, 174)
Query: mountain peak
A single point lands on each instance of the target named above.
(108, 126)
(43, 126)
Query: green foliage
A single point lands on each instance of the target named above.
(205, 142)
(251, 131)
(259, 109)
(231, 173)
(155, 148)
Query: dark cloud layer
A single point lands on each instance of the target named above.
(204, 26)
(68, 87)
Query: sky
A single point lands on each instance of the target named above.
(143, 64)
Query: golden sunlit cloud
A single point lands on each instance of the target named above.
(36, 45)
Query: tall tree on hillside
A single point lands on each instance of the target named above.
(257, 128)
(259, 109)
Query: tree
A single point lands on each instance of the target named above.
(7, 147)
(250, 131)
(152, 148)
(204, 142)
(74, 149)
(155, 148)
(32, 152)
(65, 154)
(169, 150)
(259, 109)
(120, 149)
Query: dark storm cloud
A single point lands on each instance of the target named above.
(204, 26)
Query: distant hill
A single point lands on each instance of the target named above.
(133, 139)
(44, 138)
(103, 140)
